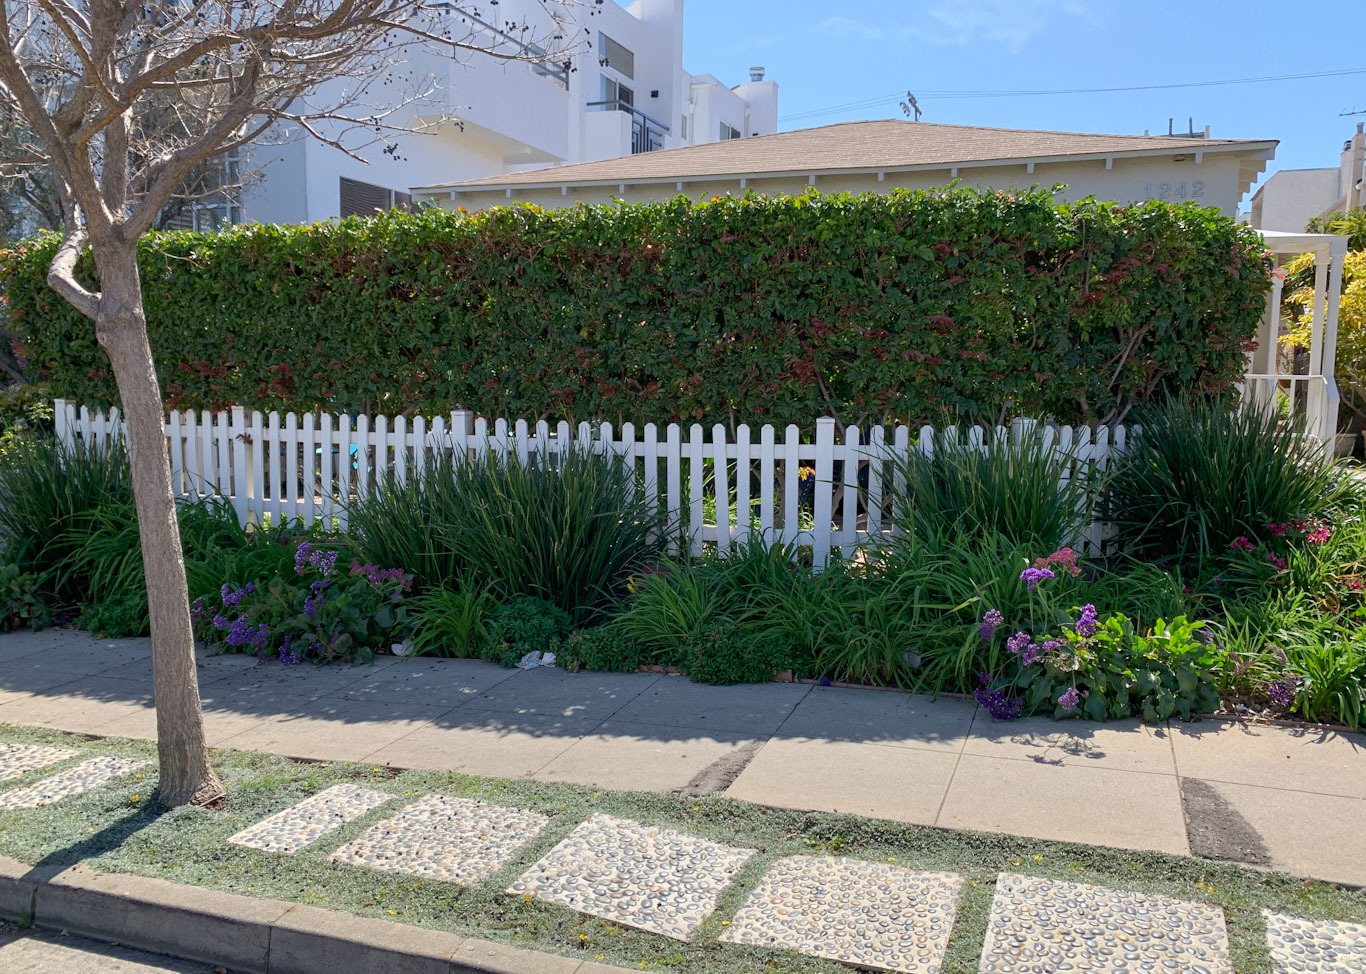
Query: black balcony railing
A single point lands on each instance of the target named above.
(647, 134)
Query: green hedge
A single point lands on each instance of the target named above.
(913, 305)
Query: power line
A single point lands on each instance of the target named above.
(963, 94)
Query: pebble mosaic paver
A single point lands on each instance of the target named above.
(1045, 925)
(450, 839)
(73, 781)
(1315, 946)
(870, 914)
(637, 875)
(311, 819)
(17, 759)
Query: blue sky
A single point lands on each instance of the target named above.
(825, 55)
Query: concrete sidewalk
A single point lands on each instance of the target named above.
(1293, 799)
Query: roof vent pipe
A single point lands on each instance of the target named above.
(756, 73)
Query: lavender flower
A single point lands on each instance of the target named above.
(1033, 576)
(301, 557)
(1030, 654)
(1017, 642)
(992, 621)
(244, 634)
(1069, 699)
(995, 701)
(1086, 622)
(1283, 692)
(197, 609)
(220, 623)
(288, 655)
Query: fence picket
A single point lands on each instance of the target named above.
(673, 467)
(721, 489)
(743, 512)
(792, 494)
(849, 502)
(824, 486)
(695, 476)
(258, 474)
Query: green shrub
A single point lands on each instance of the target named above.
(1330, 664)
(1020, 490)
(316, 611)
(448, 622)
(117, 616)
(604, 648)
(21, 605)
(46, 490)
(1200, 475)
(907, 305)
(565, 528)
(525, 625)
(25, 414)
(725, 654)
(1117, 671)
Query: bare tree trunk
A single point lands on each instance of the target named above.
(121, 326)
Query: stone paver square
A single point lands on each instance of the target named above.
(454, 840)
(73, 781)
(17, 759)
(305, 823)
(868, 914)
(1315, 946)
(1046, 925)
(637, 875)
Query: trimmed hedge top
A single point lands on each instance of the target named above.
(910, 306)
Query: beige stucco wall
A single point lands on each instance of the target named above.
(1215, 181)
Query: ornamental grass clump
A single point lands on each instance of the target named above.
(1021, 488)
(1199, 475)
(568, 528)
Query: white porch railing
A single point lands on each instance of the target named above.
(830, 491)
(1312, 395)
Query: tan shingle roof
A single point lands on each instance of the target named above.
(888, 144)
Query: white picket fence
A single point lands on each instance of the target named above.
(829, 491)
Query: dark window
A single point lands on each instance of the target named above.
(615, 56)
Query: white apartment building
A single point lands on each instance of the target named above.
(619, 88)
(1289, 199)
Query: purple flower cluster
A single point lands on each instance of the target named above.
(221, 624)
(995, 701)
(1282, 692)
(233, 596)
(1069, 699)
(377, 576)
(308, 556)
(312, 602)
(288, 655)
(992, 621)
(241, 634)
(1017, 642)
(1086, 622)
(1033, 576)
(198, 609)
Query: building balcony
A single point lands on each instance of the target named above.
(647, 133)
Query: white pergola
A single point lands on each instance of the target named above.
(1313, 394)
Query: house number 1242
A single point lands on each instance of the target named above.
(1175, 191)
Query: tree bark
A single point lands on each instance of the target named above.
(121, 327)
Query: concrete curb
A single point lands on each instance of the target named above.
(247, 935)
